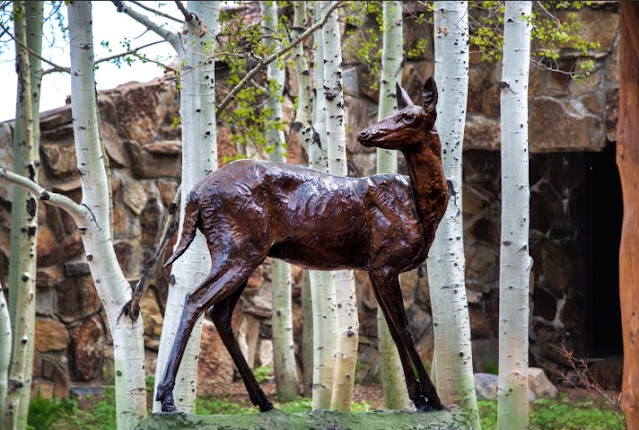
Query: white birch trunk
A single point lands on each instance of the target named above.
(345, 303)
(109, 280)
(5, 351)
(199, 158)
(392, 373)
(303, 126)
(22, 265)
(446, 262)
(282, 315)
(515, 262)
(322, 285)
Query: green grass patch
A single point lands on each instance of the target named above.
(560, 414)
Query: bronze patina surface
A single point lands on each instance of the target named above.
(384, 224)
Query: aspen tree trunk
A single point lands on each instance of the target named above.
(628, 162)
(24, 220)
(5, 351)
(446, 262)
(282, 315)
(303, 126)
(393, 380)
(515, 262)
(199, 158)
(109, 280)
(345, 304)
(322, 285)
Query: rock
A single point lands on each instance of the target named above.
(557, 126)
(539, 384)
(6, 156)
(125, 225)
(139, 113)
(77, 298)
(587, 85)
(46, 301)
(44, 389)
(479, 325)
(350, 82)
(153, 319)
(611, 114)
(76, 269)
(50, 335)
(598, 26)
(114, 146)
(167, 191)
(60, 158)
(612, 74)
(88, 348)
(481, 132)
(544, 304)
(485, 355)
(485, 386)
(56, 369)
(215, 363)
(265, 353)
(134, 196)
(357, 119)
(155, 160)
(151, 217)
(61, 252)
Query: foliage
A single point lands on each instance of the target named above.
(263, 374)
(44, 412)
(555, 27)
(363, 43)
(559, 414)
(220, 406)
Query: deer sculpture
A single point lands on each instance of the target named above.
(384, 224)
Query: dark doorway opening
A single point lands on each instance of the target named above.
(604, 215)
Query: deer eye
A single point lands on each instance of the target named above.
(409, 118)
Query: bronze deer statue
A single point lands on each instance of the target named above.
(384, 224)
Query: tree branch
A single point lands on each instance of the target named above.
(132, 52)
(51, 198)
(167, 35)
(155, 11)
(132, 308)
(35, 54)
(274, 56)
(188, 16)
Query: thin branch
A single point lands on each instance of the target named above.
(32, 52)
(132, 308)
(167, 35)
(132, 52)
(155, 11)
(51, 198)
(274, 56)
(188, 16)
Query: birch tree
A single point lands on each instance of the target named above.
(303, 126)
(194, 47)
(5, 351)
(446, 263)
(22, 265)
(393, 381)
(345, 304)
(322, 283)
(92, 219)
(514, 261)
(282, 315)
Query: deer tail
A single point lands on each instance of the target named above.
(189, 226)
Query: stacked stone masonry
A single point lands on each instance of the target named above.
(142, 140)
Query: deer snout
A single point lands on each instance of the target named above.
(363, 136)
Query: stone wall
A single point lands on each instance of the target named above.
(73, 345)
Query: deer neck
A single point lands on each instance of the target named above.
(428, 181)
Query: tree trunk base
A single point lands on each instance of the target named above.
(378, 420)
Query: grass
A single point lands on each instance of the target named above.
(545, 414)
(560, 414)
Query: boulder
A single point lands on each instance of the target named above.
(88, 348)
(50, 335)
(539, 383)
(215, 363)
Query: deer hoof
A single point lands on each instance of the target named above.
(266, 406)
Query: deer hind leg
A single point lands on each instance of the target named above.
(221, 313)
(221, 282)
(422, 391)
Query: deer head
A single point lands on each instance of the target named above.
(407, 128)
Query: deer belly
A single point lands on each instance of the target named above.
(321, 255)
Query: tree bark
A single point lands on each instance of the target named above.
(392, 373)
(345, 303)
(94, 226)
(24, 219)
(628, 163)
(515, 262)
(446, 262)
(199, 158)
(322, 285)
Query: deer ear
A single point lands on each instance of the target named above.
(430, 95)
(403, 99)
